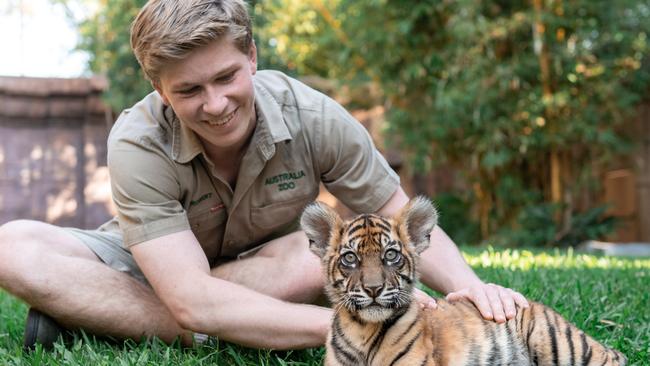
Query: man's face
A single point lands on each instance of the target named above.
(211, 92)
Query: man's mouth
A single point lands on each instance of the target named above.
(224, 120)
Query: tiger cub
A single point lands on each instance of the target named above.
(370, 265)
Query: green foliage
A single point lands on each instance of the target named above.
(455, 218)
(106, 37)
(535, 226)
(464, 85)
(295, 45)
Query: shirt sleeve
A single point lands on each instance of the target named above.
(351, 168)
(145, 191)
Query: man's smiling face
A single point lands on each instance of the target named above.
(211, 92)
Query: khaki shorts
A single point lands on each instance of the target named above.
(107, 246)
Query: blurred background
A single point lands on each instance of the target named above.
(527, 122)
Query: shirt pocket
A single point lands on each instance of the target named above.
(208, 227)
(278, 214)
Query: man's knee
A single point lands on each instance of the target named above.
(14, 233)
(16, 253)
(22, 238)
(28, 250)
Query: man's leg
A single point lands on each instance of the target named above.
(55, 272)
(283, 268)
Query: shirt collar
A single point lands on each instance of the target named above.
(271, 129)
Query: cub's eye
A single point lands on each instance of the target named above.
(349, 259)
(392, 256)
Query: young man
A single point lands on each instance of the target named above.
(209, 175)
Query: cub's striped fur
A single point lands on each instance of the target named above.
(370, 263)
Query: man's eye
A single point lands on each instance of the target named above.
(392, 256)
(349, 259)
(189, 91)
(226, 78)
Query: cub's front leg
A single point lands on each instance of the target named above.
(336, 354)
(330, 360)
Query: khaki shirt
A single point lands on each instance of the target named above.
(163, 182)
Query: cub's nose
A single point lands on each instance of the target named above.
(373, 290)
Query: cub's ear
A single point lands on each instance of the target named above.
(418, 217)
(318, 221)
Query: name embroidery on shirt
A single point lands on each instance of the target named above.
(200, 199)
(285, 181)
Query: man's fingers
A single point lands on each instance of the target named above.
(508, 302)
(479, 299)
(520, 300)
(458, 295)
(429, 304)
(425, 300)
(496, 303)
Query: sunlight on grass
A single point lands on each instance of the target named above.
(524, 260)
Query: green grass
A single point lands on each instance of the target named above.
(607, 297)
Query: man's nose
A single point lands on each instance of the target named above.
(215, 103)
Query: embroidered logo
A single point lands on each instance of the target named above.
(285, 181)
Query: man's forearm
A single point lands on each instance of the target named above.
(243, 316)
(442, 267)
(181, 278)
(281, 326)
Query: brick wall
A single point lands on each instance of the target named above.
(53, 151)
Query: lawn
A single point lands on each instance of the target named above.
(607, 297)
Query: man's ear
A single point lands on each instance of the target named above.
(418, 217)
(156, 85)
(319, 221)
(252, 58)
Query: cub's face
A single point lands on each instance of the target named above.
(370, 261)
(370, 268)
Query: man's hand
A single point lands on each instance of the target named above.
(492, 301)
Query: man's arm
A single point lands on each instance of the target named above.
(179, 273)
(444, 269)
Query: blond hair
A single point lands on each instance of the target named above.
(167, 30)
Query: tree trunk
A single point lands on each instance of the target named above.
(541, 49)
